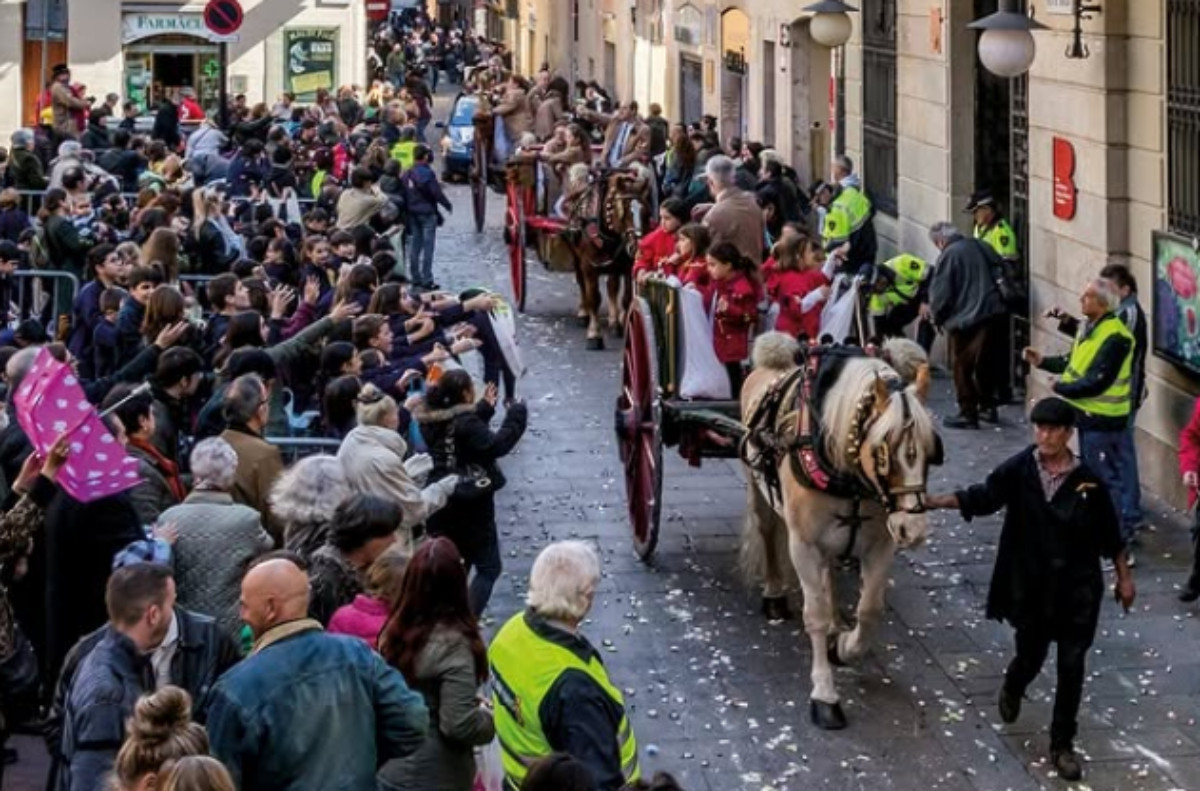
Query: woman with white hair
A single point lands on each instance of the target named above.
(304, 499)
(217, 537)
(540, 659)
(372, 456)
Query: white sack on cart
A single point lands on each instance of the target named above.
(504, 325)
(837, 319)
(703, 374)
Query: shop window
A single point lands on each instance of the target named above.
(879, 103)
(1183, 115)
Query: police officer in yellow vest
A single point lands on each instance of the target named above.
(848, 216)
(900, 287)
(993, 230)
(1097, 380)
(405, 149)
(551, 692)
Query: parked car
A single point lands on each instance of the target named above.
(458, 138)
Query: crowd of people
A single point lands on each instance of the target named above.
(235, 621)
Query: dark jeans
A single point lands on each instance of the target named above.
(1131, 481)
(975, 374)
(472, 527)
(422, 237)
(1033, 643)
(737, 375)
(1104, 453)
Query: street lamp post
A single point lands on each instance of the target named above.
(830, 26)
(1006, 47)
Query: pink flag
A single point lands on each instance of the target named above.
(51, 401)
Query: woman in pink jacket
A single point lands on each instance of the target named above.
(366, 616)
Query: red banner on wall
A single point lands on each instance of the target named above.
(1065, 192)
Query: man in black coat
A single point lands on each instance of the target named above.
(1047, 583)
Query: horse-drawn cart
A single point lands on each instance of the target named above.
(651, 413)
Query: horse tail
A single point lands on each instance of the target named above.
(763, 558)
(775, 351)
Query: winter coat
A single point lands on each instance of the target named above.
(333, 583)
(789, 290)
(107, 686)
(202, 655)
(156, 493)
(373, 460)
(1048, 562)
(357, 206)
(259, 466)
(269, 718)
(1189, 449)
(962, 291)
(513, 111)
(736, 218)
(217, 540)
(423, 191)
(27, 171)
(66, 248)
(475, 444)
(215, 256)
(81, 540)
(13, 222)
(653, 250)
(733, 322)
(363, 618)
(445, 676)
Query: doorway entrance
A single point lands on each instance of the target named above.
(691, 89)
(160, 66)
(735, 46)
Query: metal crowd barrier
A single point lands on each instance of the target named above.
(45, 295)
(292, 449)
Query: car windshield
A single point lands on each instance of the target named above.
(464, 111)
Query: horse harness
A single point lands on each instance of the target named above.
(799, 437)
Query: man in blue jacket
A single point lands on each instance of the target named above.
(424, 195)
(307, 710)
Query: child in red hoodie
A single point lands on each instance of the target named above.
(690, 262)
(798, 286)
(656, 249)
(733, 296)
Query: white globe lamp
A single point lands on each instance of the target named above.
(1006, 46)
(830, 25)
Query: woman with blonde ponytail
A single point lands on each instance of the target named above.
(159, 733)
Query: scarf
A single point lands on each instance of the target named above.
(168, 468)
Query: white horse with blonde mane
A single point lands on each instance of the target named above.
(852, 489)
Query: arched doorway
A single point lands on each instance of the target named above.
(689, 35)
(735, 52)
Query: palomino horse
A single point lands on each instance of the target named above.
(602, 232)
(837, 465)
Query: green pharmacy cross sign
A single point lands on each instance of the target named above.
(212, 69)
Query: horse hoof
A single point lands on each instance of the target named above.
(583, 320)
(831, 651)
(595, 344)
(775, 608)
(827, 716)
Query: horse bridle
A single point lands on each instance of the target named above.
(888, 494)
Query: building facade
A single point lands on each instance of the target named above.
(749, 63)
(1095, 158)
(142, 49)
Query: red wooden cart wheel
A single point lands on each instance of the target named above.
(479, 183)
(514, 226)
(639, 430)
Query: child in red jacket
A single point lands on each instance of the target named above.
(658, 246)
(798, 286)
(690, 262)
(733, 295)
(1189, 467)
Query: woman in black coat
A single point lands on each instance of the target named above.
(459, 437)
(166, 124)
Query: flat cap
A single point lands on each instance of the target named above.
(1052, 412)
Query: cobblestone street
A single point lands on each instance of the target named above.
(720, 698)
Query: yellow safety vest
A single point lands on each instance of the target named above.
(525, 667)
(848, 213)
(1116, 401)
(910, 273)
(405, 152)
(1001, 238)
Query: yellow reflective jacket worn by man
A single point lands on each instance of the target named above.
(550, 690)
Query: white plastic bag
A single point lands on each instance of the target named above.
(489, 771)
(703, 374)
(504, 325)
(837, 319)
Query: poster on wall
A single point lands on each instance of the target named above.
(1176, 332)
(310, 61)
